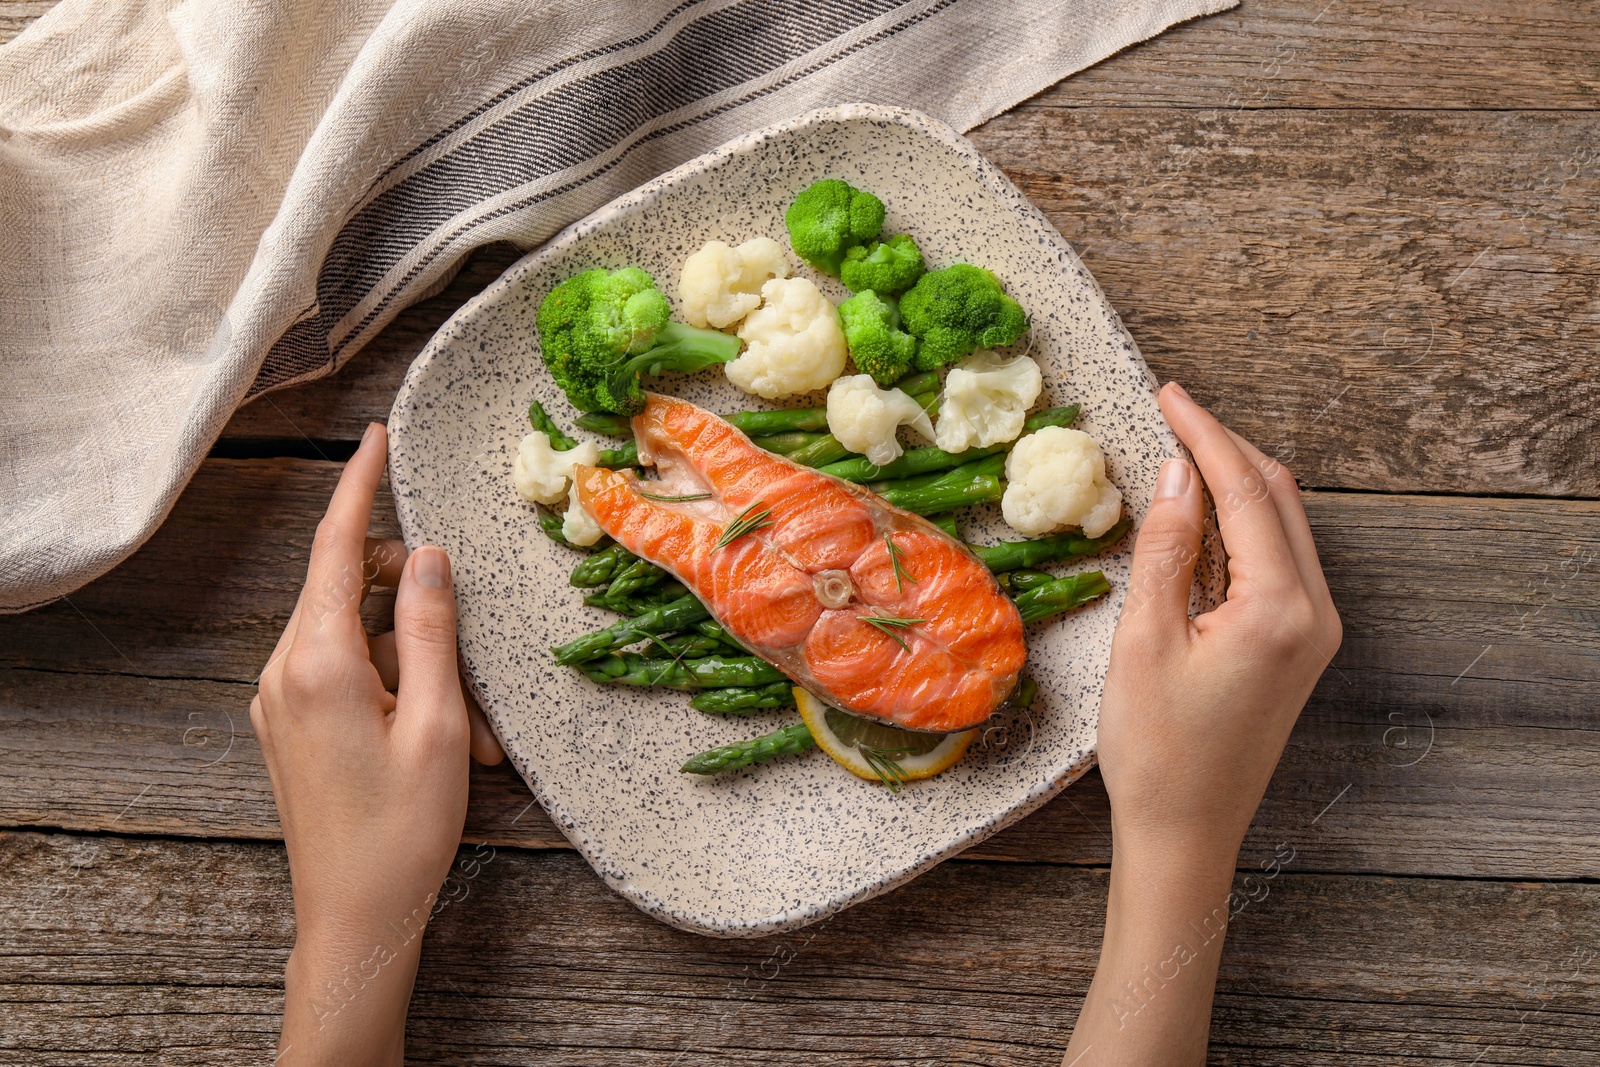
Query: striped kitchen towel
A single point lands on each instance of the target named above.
(204, 200)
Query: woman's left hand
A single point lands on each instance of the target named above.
(367, 743)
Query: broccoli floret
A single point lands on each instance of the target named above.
(885, 267)
(599, 330)
(830, 218)
(872, 330)
(955, 310)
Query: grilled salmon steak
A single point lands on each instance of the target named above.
(873, 609)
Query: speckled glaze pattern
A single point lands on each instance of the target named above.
(783, 844)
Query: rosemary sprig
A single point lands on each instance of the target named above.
(666, 668)
(684, 499)
(901, 576)
(888, 624)
(749, 521)
(883, 764)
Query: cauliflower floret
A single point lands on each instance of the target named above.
(577, 525)
(985, 402)
(864, 418)
(1057, 478)
(793, 342)
(541, 473)
(721, 285)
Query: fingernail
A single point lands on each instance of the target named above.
(430, 566)
(1173, 480)
(1180, 390)
(372, 430)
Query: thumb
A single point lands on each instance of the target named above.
(425, 638)
(1164, 555)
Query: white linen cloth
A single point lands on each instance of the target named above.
(201, 201)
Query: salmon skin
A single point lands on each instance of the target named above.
(811, 585)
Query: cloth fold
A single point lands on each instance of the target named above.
(206, 200)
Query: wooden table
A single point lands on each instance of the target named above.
(1365, 234)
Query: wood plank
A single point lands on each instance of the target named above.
(1484, 798)
(177, 757)
(972, 963)
(1346, 288)
(15, 15)
(1320, 54)
(1319, 251)
(1386, 300)
(209, 594)
(1455, 735)
(1461, 54)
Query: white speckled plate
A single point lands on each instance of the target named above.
(782, 844)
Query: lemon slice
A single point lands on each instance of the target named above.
(877, 751)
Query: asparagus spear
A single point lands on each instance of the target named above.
(975, 488)
(1065, 415)
(599, 600)
(1023, 695)
(658, 596)
(754, 423)
(1022, 580)
(606, 423)
(826, 449)
(680, 646)
(709, 672)
(617, 458)
(788, 741)
(786, 443)
(819, 453)
(764, 423)
(924, 460)
(781, 441)
(550, 523)
(947, 523)
(1061, 595)
(638, 575)
(971, 483)
(547, 426)
(598, 568)
(916, 481)
(916, 461)
(714, 630)
(678, 615)
(739, 700)
(1013, 555)
(922, 382)
(639, 603)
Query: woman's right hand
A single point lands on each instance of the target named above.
(1196, 711)
(1194, 716)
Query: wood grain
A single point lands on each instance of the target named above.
(1397, 301)
(15, 15)
(1382, 299)
(535, 961)
(1449, 54)
(1352, 273)
(1466, 685)
(1484, 797)
(1465, 54)
(1362, 231)
(209, 594)
(177, 756)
